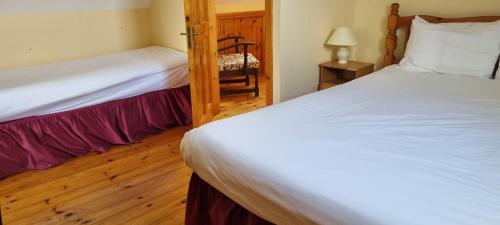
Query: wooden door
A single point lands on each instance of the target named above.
(202, 52)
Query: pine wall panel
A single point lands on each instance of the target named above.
(251, 25)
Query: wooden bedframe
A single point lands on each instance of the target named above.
(403, 23)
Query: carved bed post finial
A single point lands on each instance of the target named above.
(391, 39)
(395, 9)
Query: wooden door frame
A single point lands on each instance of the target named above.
(269, 52)
(202, 53)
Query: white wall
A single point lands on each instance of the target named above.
(304, 27)
(10, 7)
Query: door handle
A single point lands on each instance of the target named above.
(190, 33)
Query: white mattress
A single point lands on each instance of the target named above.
(391, 148)
(52, 88)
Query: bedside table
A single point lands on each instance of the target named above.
(333, 73)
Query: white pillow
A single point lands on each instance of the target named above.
(453, 48)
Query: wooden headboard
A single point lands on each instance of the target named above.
(397, 22)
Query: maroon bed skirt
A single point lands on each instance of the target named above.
(207, 206)
(45, 141)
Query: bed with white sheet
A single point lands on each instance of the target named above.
(59, 87)
(414, 143)
(53, 112)
(360, 154)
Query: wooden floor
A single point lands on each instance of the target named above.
(140, 184)
(237, 104)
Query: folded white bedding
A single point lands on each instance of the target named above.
(390, 148)
(52, 88)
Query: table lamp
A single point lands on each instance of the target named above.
(344, 38)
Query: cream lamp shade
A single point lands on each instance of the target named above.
(342, 37)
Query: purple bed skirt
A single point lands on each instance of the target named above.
(46, 141)
(206, 205)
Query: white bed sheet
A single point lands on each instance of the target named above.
(391, 148)
(59, 87)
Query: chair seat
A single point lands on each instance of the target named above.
(235, 62)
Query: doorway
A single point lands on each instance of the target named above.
(204, 53)
(245, 20)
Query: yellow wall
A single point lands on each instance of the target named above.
(304, 27)
(28, 39)
(167, 17)
(301, 29)
(228, 6)
(370, 19)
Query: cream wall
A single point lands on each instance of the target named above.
(35, 38)
(304, 27)
(301, 29)
(370, 19)
(167, 17)
(276, 49)
(12, 7)
(229, 6)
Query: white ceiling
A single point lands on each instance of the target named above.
(10, 7)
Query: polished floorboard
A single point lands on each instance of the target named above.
(140, 184)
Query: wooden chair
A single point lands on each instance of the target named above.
(237, 67)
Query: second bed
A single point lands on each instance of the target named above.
(50, 113)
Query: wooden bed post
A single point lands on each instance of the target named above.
(391, 40)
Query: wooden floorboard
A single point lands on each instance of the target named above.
(143, 184)
(233, 105)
